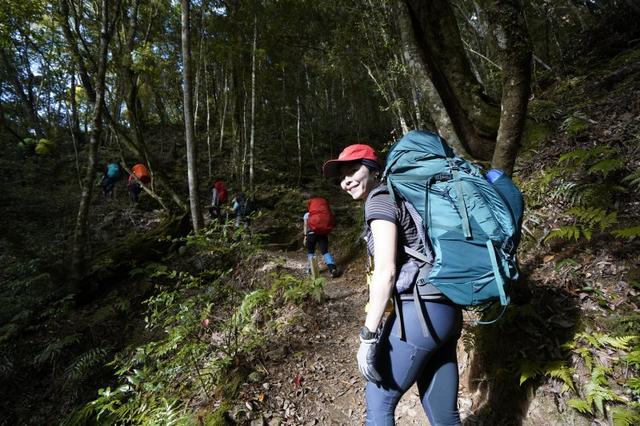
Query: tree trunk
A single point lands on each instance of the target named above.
(192, 173)
(418, 70)
(82, 223)
(208, 120)
(298, 139)
(514, 48)
(253, 102)
(473, 115)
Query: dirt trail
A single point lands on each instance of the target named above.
(315, 379)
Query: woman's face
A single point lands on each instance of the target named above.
(357, 180)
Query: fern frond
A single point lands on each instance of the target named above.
(559, 371)
(620, 342)
(53, 349)
(580, 405)
(634, 385)
(597, 391)
(632, 232)
(84, 363)
(633, 358)
(633, 179)
(568, 232)
(606, 166)
(528, 370)
(625, 417)
(594, 216)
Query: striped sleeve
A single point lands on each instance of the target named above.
(379, 205)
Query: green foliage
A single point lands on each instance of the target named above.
(597, 391)
(53, 350)
(625, 417)
(543, 110)
(633, 180)
(555, 369)
(590, 158)
(587, 219)
(631, 232)
(574, 125)
(600, 340)
(81, 366)
(580, 405)
(198, 350)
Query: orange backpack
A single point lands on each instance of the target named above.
(141, 172)
(321, 220)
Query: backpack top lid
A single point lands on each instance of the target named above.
(419, 141)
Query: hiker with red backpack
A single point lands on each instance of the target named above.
(395, 353)
(218, 198)
(318, 222)
(139, 174)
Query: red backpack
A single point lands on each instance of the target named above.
(321, 220)
(141, 172)
(221, 190)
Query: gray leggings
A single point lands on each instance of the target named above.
(430, 361)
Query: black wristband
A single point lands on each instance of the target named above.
(366, 334)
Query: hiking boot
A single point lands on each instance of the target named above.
(333, 270)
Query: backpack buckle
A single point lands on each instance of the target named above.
(507, 247)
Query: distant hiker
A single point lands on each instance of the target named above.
(218, 198)
(110, 176)
(139, 173)
(395, 353)
(317, 223)
(242, 207)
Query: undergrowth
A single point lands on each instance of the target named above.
(205, 331)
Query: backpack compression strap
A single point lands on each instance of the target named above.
(462, 206)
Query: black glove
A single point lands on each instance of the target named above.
(367, 356)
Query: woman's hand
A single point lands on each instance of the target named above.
(367, 359)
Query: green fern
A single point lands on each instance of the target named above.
(585, 156)
(633, 180)
(606, 166)
(591, 217)
(559, 371)
(568, 232)
(632, 232)
(529, 370)
(600, 340)
(580, 405)
(633, 383)
(625, 417)
(586, 356)
(633, 358)
(53, 349)
(598, 391)
(83, 364)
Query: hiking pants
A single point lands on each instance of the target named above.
(430, 361)
(321, 240)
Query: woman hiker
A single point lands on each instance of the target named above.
(392, 359)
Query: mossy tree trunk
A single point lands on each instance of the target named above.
(515, 53)
(486, 129)
(473, 114)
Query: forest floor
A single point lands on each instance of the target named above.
(316, 380)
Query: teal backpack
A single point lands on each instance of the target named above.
(113, 171)
(472, 225)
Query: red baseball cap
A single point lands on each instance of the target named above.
(351, 153)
